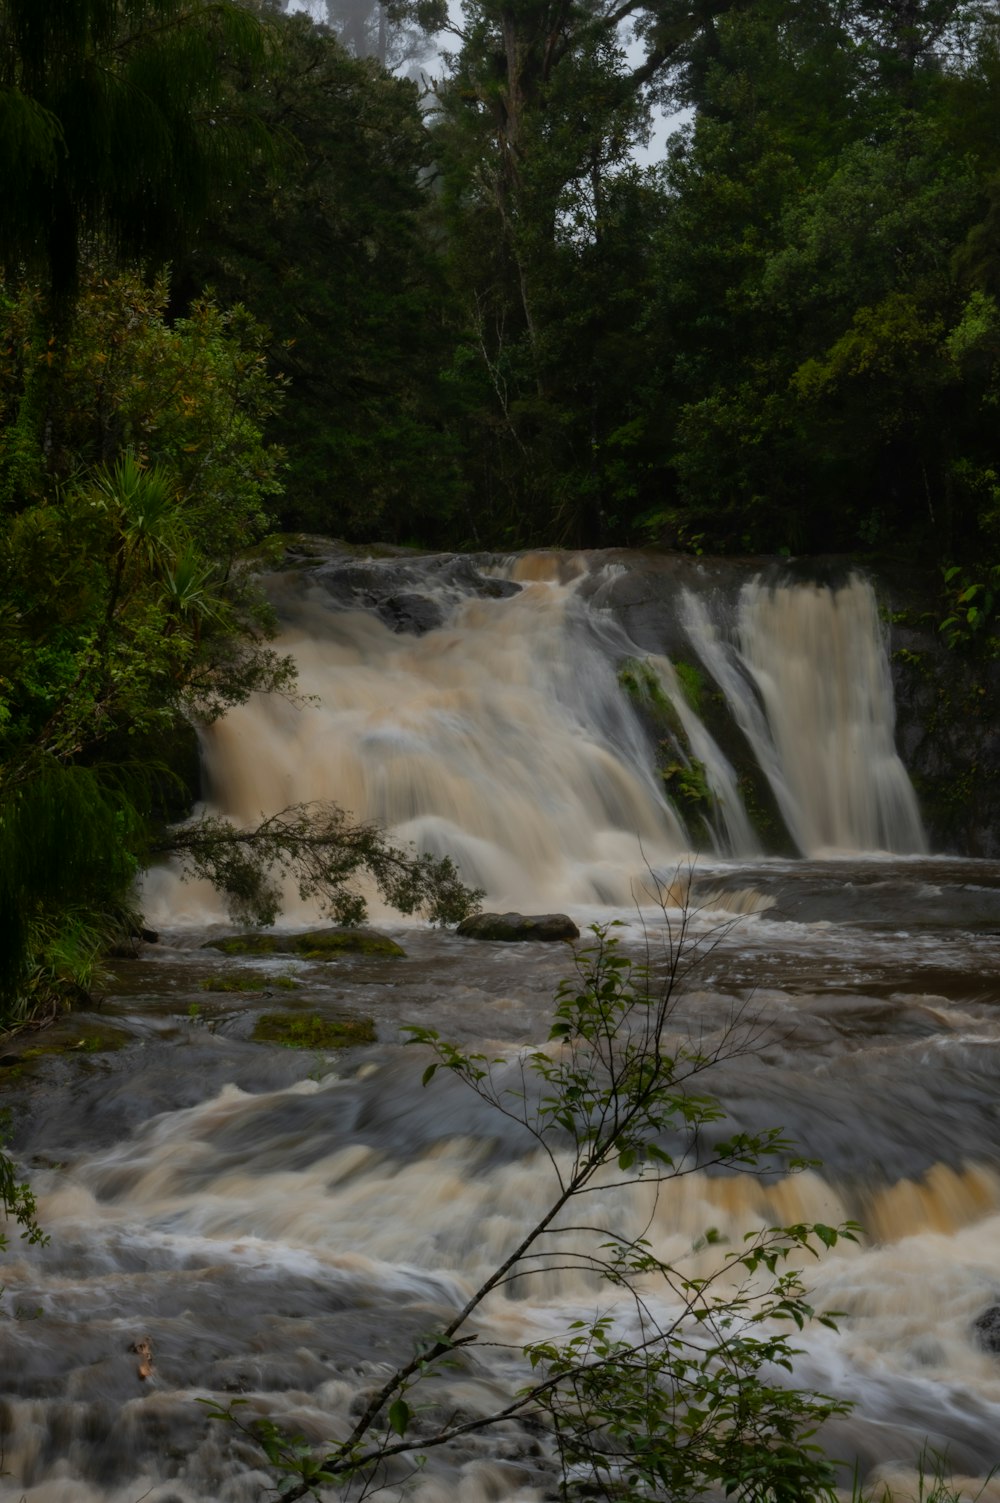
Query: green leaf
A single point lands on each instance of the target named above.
(399, 1416)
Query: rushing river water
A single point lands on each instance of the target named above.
(281, 1226)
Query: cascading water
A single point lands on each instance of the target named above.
(280, 1227)
(806, 676)
(504, 739)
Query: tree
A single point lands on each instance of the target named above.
(109, 127)
(815, 267)
(329, 248)
(316, 846)
(376, 30)
(667, 1392)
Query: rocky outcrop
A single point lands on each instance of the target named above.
(947, 719)
(414, 595)
(517, 928)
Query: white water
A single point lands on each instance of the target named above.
(502, 739)
(806, 675)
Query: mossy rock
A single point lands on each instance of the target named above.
(247, 981)
(327, 944)
(311, 944)
(85, 1041)
(244, 944)
(310, 1030)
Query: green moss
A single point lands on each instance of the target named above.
(244, 944)
(89, 1041)
(310, 1030)
(245, 981)
(312, 944)
(643, 687)
(326, 944)
(686, 781)
(692, 682)
(640, 682)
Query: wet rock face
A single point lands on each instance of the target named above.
(947, 701)
(947, 720)
(414, 595)
(518, 928)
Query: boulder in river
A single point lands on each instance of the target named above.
(310, 944)
(516, 928)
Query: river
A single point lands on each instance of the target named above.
(280, 1225)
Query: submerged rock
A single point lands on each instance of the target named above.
(519, 927)
(310, 944)
(987, 1329)
(311, 1030)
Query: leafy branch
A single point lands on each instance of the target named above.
(317, 847)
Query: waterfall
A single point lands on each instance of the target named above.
(501, 738)
(806, 676)
(494, 726)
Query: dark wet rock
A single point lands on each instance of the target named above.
(310, 944)
(987, 1329)
(518, 927)
(412, 594)
(130, 947)
(410, 612)
(947, 719)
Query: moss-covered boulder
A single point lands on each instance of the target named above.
(311, 1030)
(64, 1038)
(248, 981)
(310, 944)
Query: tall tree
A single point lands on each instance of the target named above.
(812, 298)
(534, 130)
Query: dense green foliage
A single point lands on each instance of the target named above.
(123, 608)
(111, 125)
(330, 249)
(498, 328)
